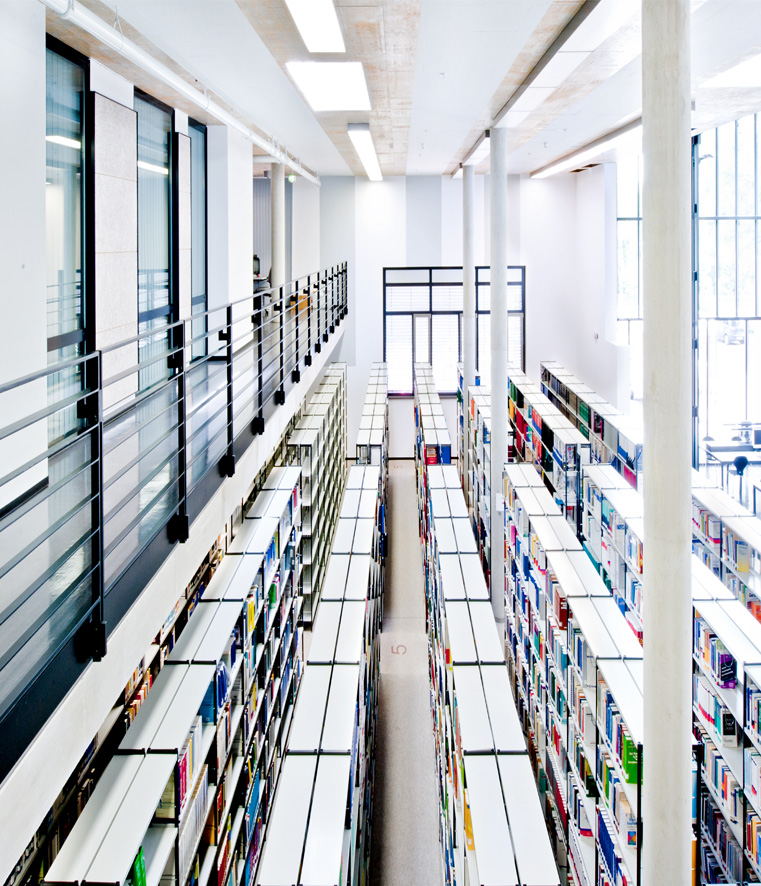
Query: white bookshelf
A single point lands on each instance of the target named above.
(334, 719)
(183, 784)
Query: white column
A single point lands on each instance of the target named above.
(468, 277)
(277, 197)
(498, 374)
(667, 792)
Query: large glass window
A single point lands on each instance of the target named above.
(64, 107)
(422, 310)
(197, 133)
(154, 127)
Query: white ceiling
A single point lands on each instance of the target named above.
(438, 72)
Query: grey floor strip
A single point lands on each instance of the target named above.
(405, 847)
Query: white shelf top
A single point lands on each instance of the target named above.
(355, 477)
(718, 503)
(325, 835)
(205, 640)
(505, 725)
(341, 711)
(592, 626)
(706, 585)
(605, 477)
(358, 581)
(334, 584)
(747, 528)
(80, 847)
(491, 836)
(242, 537)
(473, 576)
(466, 542)
(457, 506)
(261, 504)
(279, 503)
(219, 586)
(286, 829)
(440, 503)
(309, 713)
(554, 534)
(372, 477)
(350, 504)
(568, 578)
(262, 537)
(460, 631)
(536, 501)
(473, 716)
(450, 476)
(445, 537)
(368, 504)
(435, 477)
(488, 645)
(166, 715)
(350, 643)
(522, 476)
(626, 502)
(733, 624)
(344, 536)
(242, 581)
(324, 633)
(617, 626)
(627, 693)
(533, 852)
(452, 583)
(363, 536)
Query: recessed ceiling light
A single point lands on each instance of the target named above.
(747, 74)
(331, 86)
(65, 142)
(359, 133)
(627, 139)
(318, 24)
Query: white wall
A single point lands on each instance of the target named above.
(22, 244)
(305, 228)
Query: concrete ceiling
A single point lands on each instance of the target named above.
(438, 72)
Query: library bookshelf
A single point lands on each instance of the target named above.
(320, 826)
(318, 445)
(372, 439)
(491, 825)
(185, 798)
(615, 438)
(432, 442)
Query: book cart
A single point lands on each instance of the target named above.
(320, 826)
(187, 795)
(491, 825)
(318, 445)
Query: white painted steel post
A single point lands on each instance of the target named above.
(667, 790)
(468, 278)
(498, 373)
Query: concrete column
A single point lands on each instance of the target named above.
(468, 277)
(277, 197)
(667, 790)
(498, 373)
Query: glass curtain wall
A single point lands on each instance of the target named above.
(154, 128)
(64, 104)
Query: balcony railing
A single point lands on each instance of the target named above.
(153, 426)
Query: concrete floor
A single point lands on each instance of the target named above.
(405, 836)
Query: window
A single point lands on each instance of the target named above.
(629, 262)
(154, 127)
(422, 313)
(198, 285)
(64, 248)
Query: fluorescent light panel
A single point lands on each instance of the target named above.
(318, 25)
(359, 133)
(152, 167)
(65, 142)
(331, 86)
(628, 137)
(746, 75)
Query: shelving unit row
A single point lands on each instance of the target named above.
(545, 437)
(464, 462)
(187, 795)
(492, 830)
(432, 442)
(320, 828)
(615, 438)
(372, 441)
(318, 445)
